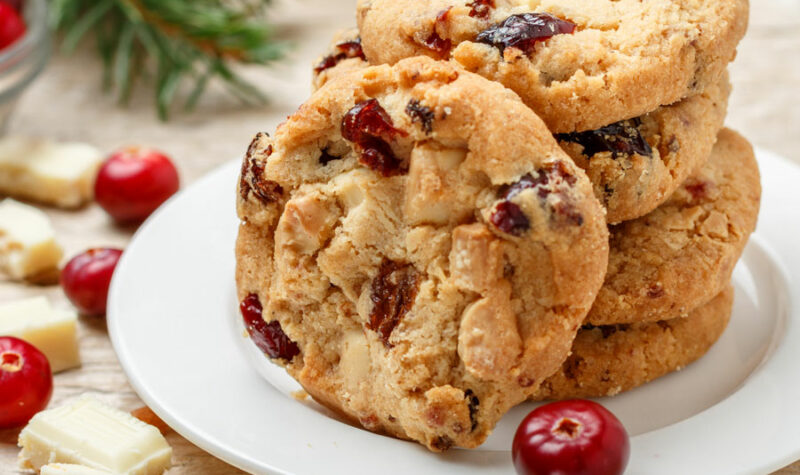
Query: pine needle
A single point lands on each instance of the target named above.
(171, 42)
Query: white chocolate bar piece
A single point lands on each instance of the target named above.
(27, 241)
(94, 435)
(70, 469)
(60, 174)
(52, 331)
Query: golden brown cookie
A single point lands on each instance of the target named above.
(418, 262)
(580, 65)
(608, 360)
(635, 164)
(681, 255)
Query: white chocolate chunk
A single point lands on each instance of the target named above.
(355, 361)
(432, 185)
(92, 434)
(70, 469)
(60, 174)
(52, 331)
(27, 241)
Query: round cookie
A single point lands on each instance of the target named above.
(416, 261)
(679, 256)
(635, 164)
(580, 65)
(608, 360)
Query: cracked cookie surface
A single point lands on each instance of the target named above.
(429, 260)
(634, 165)
(607, 360)
(619, 58)
(680, 255)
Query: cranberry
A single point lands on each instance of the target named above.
(550, 178)
(86, 277)
(509, 218)
(422, 114)
(524, 30)
(472, 405)
(620, 138)
(393, 293)
(369, 126)
(435, 42)
(571, 437)
(268, 337)
(12, 26)
(252, 180)
(133, 182)
(346, 49)
(480, 8)
(26, 382)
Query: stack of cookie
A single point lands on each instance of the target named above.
(484, 202)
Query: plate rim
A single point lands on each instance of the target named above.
(242, 461)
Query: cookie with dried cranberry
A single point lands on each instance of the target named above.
(607, 360)
(420, 263)
(636, 164)
(679, 256)
(344, 55)
(580, 65)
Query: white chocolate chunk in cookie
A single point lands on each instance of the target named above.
(306, 224)
(60, 174)
(488, 341)
(432, 182)
(355, 360)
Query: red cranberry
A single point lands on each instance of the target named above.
(133, 182)
(268, 337)
(422, 114)
(698, 189)
(26, 382)
(575, 437)
(369, 126)
(346, 49)
(86, 277)
(524, 30)
(620, 138)
(393, 292)
(480, 8)
(252, 180)
(12, 26)
(435, 42)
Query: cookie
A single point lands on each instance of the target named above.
(579, 65)
(608, 360)
(635, 164)
(679, 256)
(416, 261)
(344, 55)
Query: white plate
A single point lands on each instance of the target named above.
(174, 324)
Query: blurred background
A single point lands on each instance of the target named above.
(66, 102)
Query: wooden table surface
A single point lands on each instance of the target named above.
(66, 103)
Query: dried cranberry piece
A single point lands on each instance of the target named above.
(620, 138)
(393, 292)
(550, 177)
(698, 190)
(480, 8)
(524, 30)
(267, 191)
(422, 114)
(435, 42)
(509, 218)
(369, 126)
(472, 404)
(346, 49)
(268, 337)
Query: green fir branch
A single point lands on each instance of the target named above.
(171, 42)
